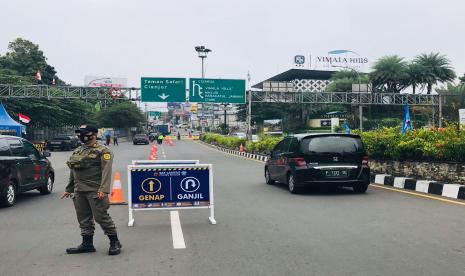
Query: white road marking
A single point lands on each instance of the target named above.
(176, 231)
(163, 152)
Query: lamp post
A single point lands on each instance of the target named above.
(202, 52)
(360, 107)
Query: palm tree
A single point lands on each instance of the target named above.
(415, 75)
(390, 74)
(436, 68)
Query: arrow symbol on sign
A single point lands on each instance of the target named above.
(163, 96)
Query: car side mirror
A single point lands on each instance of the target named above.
(46, 154)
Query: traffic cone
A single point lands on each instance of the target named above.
(116, 196)
(169, 140)
(241, 148)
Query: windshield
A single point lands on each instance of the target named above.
(332, 144)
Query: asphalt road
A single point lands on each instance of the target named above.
(262, 229)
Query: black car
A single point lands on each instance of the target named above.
(330, 159)
(63, 142)
(140, 139)
(22, 168)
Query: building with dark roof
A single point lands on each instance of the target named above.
(297, 80)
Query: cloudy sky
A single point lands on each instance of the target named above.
(155, 38)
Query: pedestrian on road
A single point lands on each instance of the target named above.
(108, 138)
(160, 139)
(115, 140)
(89, 186)
(179, 136)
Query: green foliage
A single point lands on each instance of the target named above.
(446, 144)
(24, 58)
(224, 128)
(434, 68)
(51, 113)
(121, 115)
(342, 81)
(265, 143)
(390, 74)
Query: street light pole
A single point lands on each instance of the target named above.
(202, 51)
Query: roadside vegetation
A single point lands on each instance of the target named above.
(424, 144)
(19, 65)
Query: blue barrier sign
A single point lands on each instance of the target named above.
(164, 186)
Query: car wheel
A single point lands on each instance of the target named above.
(48, 187)
(268, 180)
(291, 184)
(360, 188)
(8, 198)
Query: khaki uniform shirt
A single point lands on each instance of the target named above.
(97, 175)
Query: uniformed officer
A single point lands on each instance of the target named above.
(89, 186)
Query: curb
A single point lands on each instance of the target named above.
(455, 191)
(254, 156)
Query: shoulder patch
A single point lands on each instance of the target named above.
(106, 156)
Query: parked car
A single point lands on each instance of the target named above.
(241, 135)
(330, 159)
(22, 168)
(140, 139)
(63, 142)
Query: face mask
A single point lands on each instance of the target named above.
(85, 138)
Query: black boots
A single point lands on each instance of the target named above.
(115, 245)
(87, 246)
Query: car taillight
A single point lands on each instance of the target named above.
(300, 162)
(365, 160)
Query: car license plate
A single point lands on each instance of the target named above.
(336, 173)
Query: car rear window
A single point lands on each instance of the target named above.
(4, 148)
(332, 144)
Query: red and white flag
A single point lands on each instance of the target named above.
(38, 76)
(23, 118)
(53, 81)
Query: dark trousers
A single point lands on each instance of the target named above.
(88, 207)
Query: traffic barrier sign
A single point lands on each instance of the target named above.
(170, 187)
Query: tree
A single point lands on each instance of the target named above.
(342, 81)
(415, 75)
(436, 68)
(390, 74)
(24, 58)
(462, 79)
(121, 115)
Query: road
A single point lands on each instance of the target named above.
(262, 229)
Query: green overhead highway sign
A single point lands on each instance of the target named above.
(216, 91)
(155, 113)
(163, 89)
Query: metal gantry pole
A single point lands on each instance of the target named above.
(249, 115)
(440, 111)
(360, 112)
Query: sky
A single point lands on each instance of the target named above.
(152, 38)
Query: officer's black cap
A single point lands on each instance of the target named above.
(85, 129)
